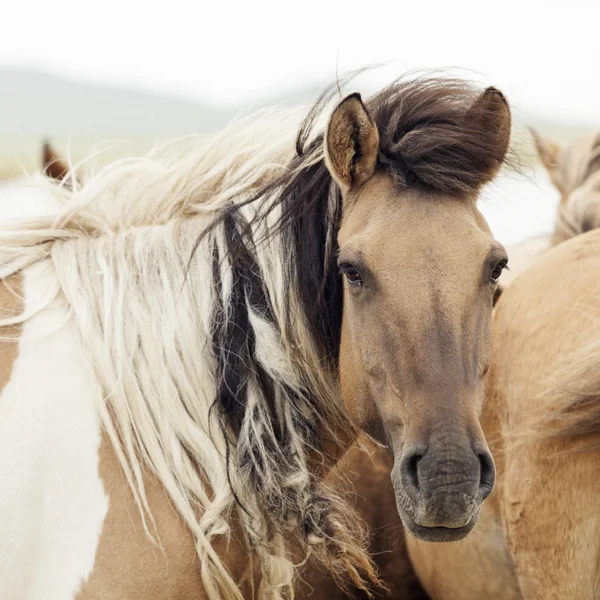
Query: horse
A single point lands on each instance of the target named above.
(551, 411)
(574, 170)
(540, 418)
(194, 337)
(363, 473)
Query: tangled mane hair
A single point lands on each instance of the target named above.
(203, 282)
(579, 172)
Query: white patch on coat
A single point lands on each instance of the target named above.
(52, 502)
(21, 198)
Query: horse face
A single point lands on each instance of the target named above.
(420, 273)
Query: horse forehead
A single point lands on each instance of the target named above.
(420, 239)
(386, 216)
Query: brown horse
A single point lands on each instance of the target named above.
(538, 537)
(212, 324)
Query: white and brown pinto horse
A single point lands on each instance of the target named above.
(363, 476)
(182, 360)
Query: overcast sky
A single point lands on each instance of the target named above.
(544, 55)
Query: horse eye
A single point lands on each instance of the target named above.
(352, 275)
(498, 271)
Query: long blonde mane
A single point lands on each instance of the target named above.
(123, 245)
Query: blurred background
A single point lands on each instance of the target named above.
(125, 75)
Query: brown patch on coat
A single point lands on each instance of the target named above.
(129, 566)
(11, 305)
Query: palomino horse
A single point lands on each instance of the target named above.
(185, 375)
(547, 399)
(541, 401)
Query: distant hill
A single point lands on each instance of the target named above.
(36, 105)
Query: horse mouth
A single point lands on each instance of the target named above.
(437, 534)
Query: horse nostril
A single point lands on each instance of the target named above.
(487, 472)
(410, 466)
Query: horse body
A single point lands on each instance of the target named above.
(68, 518)
(547, 340)
(196, 330)
(52, 500)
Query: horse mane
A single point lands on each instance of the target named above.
(203, 281)
(577, 398)
(579, 160)
(579, 169)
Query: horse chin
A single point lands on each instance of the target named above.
(437, 534)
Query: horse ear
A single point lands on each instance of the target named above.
(351, 143)
(52, 165)
(548, 151)
(491, 113)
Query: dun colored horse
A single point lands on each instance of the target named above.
(538, 535)
(193, 338)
